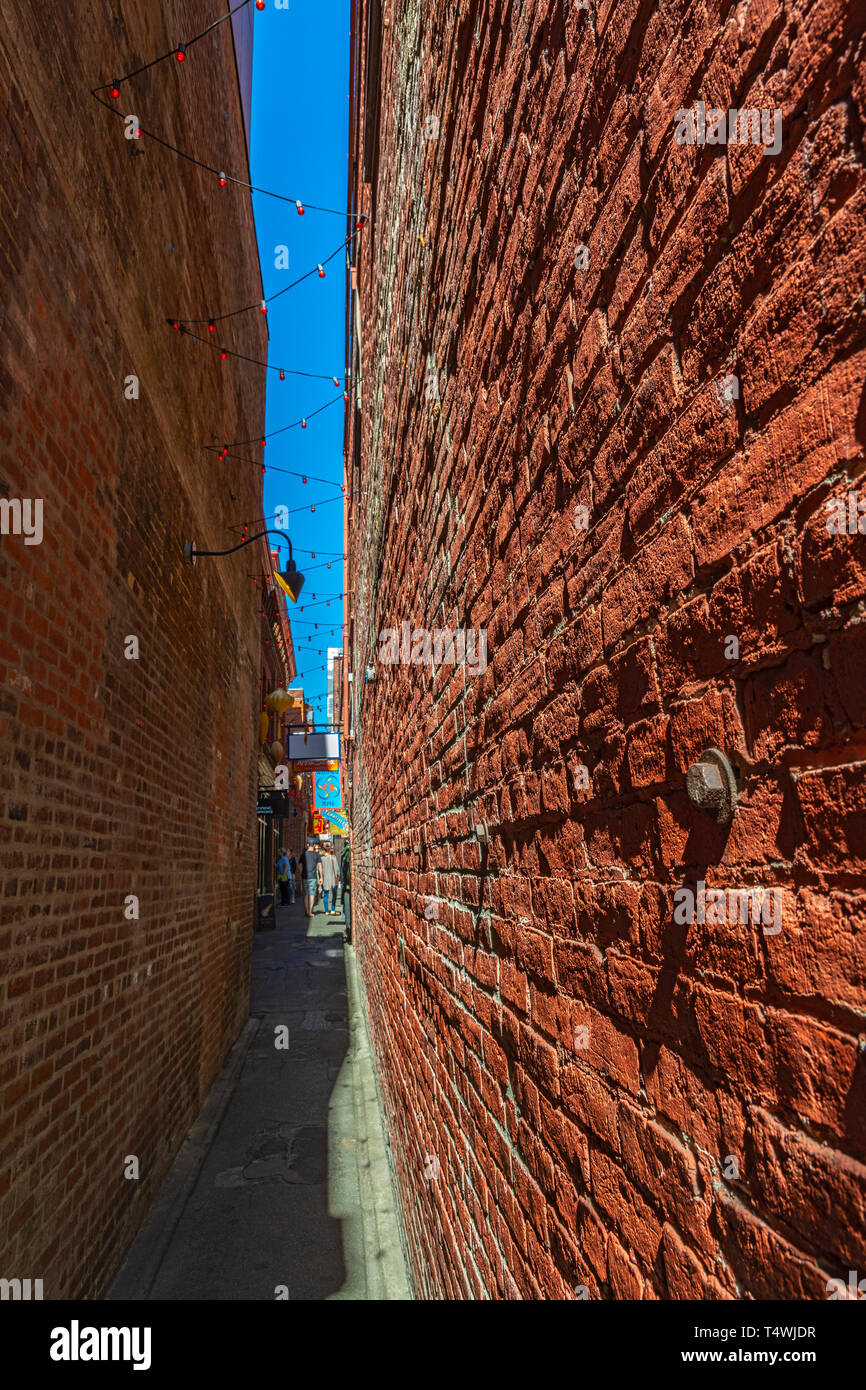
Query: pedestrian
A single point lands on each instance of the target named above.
(346, 882)
(330, 878)
(293, 869)
(312, 871)
(283, 877)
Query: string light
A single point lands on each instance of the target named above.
(178, 326)
(263, 520)
(236, 443)
(262, 304)
(179, 54)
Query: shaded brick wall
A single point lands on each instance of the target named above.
(615, 1099)
(118, 776)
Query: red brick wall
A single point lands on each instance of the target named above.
(118, 776)
(710, 1140)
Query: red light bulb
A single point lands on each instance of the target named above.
(282, 375)
(303, 424)
(211, 328)
(312, 509)
(260, 4)
(223, 355)
(115, 90)
(303, 480)
(264, 307)
(335, 380)
(180, 55)
(321, 271)
(346, 397)
(223, 179)
(264, 442)
(175, 325)
(313, 554)
(300, 208)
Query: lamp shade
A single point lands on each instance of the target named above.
(291, 581)
(279, 701)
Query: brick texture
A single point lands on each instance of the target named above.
(119, 776)
(708, 1140)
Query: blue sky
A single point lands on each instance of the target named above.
(299, 147)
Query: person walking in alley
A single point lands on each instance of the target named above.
(330, 878)
(284, 878)
(312, 871)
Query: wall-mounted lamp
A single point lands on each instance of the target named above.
(371, 674)
(482, 834)
(290, 580)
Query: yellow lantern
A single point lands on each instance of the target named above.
(277, 751)
(279, 701)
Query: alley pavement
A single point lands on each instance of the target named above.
(283, 1187)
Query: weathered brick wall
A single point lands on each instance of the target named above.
(118, 776)
(706, 1135)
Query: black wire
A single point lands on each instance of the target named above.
(287, 371)
(261, 520)
(317, 604)
(291, 474)
(127, 77)
(242, 183)
(307, 570)
(218, 318)
(215, 449)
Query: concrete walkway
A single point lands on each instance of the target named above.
(283, 1187)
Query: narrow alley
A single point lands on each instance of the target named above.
(283, 1189)
(432, 675)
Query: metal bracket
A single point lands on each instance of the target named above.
(712, 785)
